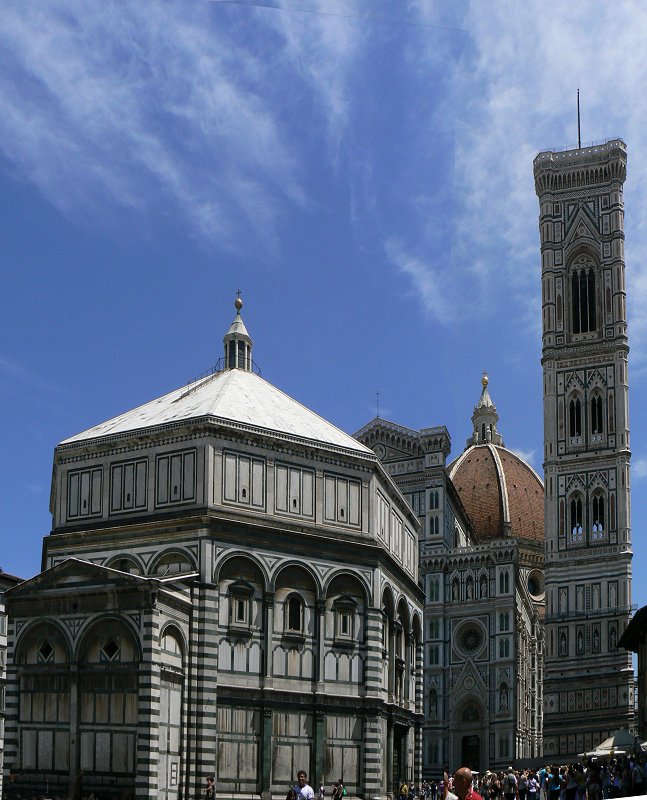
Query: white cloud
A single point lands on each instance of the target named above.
(639, 468)
(108, 104)
(525, 455)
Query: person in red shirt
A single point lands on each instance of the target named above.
(463, 785)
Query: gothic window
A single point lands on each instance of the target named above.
(583, 297)
(434, 589)
(597, 516)
(596, 414)
(504, 648)
(503, 746)
(504, 583)
(434, 655)
(433, 499)
(575, 418)
(577, 534)
(434, 629)
(504, 622)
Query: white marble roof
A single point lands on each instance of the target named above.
(234, 396)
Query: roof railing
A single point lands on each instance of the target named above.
(591, 147)
(219, 366)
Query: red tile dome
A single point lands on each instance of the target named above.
(501, 493)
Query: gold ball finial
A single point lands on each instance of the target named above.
(238, 302)
(484, 380)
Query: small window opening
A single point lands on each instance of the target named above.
(110, 650)
(295, 618)
(341, 512)
(244, 492)
(45, 652)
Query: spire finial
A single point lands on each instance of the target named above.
(579, 132)
(484, 380)
(238, 302)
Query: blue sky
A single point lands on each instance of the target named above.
(362, 171)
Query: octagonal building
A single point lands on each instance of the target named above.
(230, 588)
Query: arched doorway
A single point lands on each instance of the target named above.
(469, 729)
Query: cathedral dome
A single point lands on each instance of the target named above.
(501, 493)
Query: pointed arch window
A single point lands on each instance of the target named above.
(596, 414)
(583, 305)
(598, 517)
(504, 583)
(575, 417)
(577, 533)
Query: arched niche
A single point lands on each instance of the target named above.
(126, 563)
(173, 562)
(346, 603)
(295, 585)
(44, 643)
(241, 586)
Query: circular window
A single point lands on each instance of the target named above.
(470, 638)
(536, 585)
(380, 451)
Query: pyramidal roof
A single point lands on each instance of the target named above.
(235, 396)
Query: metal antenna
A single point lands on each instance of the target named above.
(377, 404)
(579, 130)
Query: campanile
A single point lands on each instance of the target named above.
(588, 681)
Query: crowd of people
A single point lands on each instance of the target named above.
(598, 780)
(625, 776)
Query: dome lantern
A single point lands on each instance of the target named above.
(484, 419)
(238, 343)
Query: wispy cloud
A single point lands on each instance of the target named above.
(512, 93)
(115, 105)
(639, 469)
(525, 455)
(429, 132)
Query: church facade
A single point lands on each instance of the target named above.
(230, 588)
(586, 445)
(481, 565)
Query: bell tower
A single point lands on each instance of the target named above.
(588, 681)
